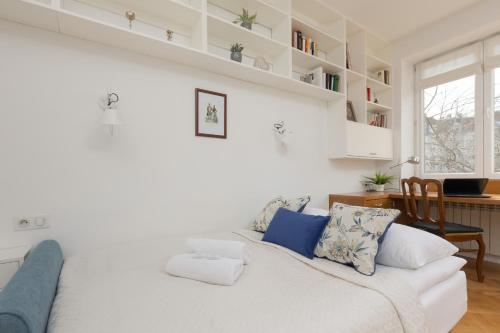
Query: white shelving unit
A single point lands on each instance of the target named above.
(362, 139)
(204, 30)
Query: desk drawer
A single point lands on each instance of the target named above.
(379, 203)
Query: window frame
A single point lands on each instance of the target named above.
(420, 86)
(489, 122)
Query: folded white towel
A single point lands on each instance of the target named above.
(223, 248)
(207, 268)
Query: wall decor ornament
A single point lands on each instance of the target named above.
(110, 116)
(281, 132)
(245, 19)
(261, 63)
(130, 16)
(236, 49)
(170, 35)
(210, 114)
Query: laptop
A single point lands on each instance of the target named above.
(468, 187)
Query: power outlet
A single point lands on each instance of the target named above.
(31, 223)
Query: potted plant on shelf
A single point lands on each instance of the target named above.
(236, 52)
(245, 19)
(379, 180)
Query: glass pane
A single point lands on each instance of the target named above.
(449, 134)
(497, 119)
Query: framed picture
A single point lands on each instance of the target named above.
(351, 115)
(210, 114)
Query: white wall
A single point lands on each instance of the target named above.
(154, 176)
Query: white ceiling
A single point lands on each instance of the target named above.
(391, 19)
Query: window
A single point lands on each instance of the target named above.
(449, 129)
(451, 125)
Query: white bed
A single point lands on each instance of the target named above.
(124, 289)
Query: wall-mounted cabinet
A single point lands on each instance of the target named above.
(306, 43)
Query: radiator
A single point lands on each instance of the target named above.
(486, 217)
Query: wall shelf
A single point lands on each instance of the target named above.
(375, 64)
(360, 139)
(324, 39)
(56, 18)
(268, 15)
(309, 62)
(375, 107)
(377, 85)
(200, 26)
(225, 30)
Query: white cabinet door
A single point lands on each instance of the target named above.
(365, 141)
(380, 144)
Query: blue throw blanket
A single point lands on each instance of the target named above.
(26, 301)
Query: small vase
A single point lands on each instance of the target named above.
(236, 56)
(247, 25)
(379, 187)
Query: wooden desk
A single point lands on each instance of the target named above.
(391, 199)
(395, 200)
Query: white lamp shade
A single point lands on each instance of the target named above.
(110, 117)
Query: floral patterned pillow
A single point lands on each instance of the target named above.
(297, 205)
(354, 234)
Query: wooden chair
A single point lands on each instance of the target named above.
(450, 231)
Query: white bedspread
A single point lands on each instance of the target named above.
(124, 289)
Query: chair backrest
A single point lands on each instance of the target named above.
(410, 198)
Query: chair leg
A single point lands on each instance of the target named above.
(480, 258)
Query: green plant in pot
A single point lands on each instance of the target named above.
(379, 180)
(245, 19)
(236, 52)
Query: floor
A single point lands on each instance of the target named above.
(484, 301)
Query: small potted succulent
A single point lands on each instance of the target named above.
(245, 19)
(236, 52)
(379, 180)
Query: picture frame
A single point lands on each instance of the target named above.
(210, 114)
(351, 114)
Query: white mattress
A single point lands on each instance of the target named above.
(442, 290)
(445, 303)
(431, 274)
(123, 289)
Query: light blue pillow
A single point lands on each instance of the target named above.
(295, 231)
(26, 301)
(354, 234)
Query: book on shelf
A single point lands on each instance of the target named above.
(382, 76)
(348, 64)
(331, 81)
(305, 44)
(378, 120)
(369, 94)
(387, 75)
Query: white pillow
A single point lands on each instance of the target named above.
(315, 211)
(411, 248)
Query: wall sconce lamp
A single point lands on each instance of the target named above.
(281, 133)
(411, 160)
(110, 117)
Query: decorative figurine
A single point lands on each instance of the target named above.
(131, 17)
(170, 35)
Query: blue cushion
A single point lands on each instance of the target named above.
(26, 301)
(295, 231)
